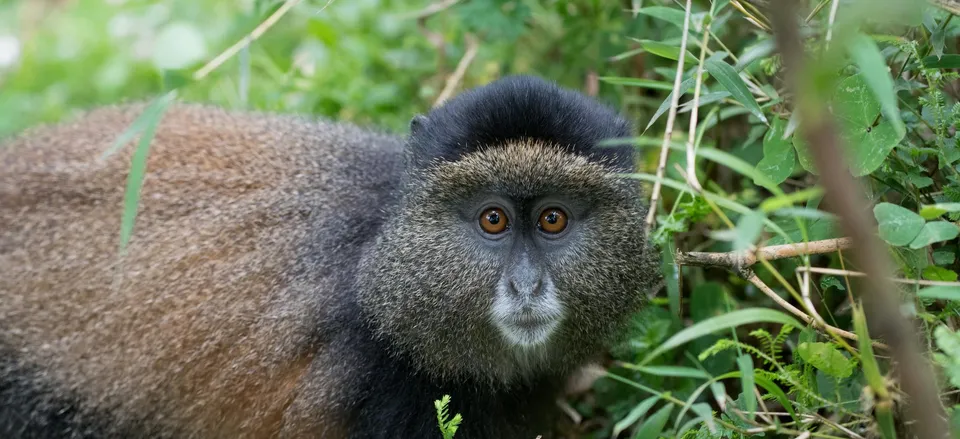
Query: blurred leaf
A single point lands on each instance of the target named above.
(933, 232)
(898, 226)
(868, 362)
(948, 341)
(654, 425)
(670, 15)
(826, 357)
(719, 323)
(932, 211)
(778, 157)
(944, 62)
(178, 45)
(942, 292)
(638, 411)
(672, 371)
(874, 72)
(731, 81)
(745, 363)
(935, 273)
(666, 51)
(748, 230)
(665, 105)
(637, 82)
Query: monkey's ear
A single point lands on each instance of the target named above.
(417, 123)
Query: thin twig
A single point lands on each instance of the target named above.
(831, 19)
(753, 279)
(836, 272)
(251, 37)
(434, 38)
(431, 9)
(746, 258)
(844, 196)
(457, 75)
(671, 117)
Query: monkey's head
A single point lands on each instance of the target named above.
(515, 249)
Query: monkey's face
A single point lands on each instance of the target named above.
(511, 261)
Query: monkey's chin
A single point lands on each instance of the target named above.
(528, 332)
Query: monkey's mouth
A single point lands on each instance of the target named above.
(527, 329)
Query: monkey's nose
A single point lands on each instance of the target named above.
(526, 288)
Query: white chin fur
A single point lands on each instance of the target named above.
(527, 322)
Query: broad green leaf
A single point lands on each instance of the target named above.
(933, 232)
(942, 292)
(939, 274)
(778, 156)
(637, 82)
(666, 51)
(727, 76)
(177, 46)
(871, 370)
(826, 357)
(745, 363)
(673, 16)
(719, 323)
(867, 138)
(898, 226)
(638, 411)
(944, 256)
(653, 426)
(874, 72)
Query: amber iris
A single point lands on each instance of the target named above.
(493, 220)
(553, 220)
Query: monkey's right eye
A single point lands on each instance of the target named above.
(493, 220)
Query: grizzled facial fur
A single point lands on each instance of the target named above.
(513, 260)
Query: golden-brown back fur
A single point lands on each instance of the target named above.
(215, 267)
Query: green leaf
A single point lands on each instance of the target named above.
(933, 232)
(138, 165)
(941, 208)
(748, 230)
(948, 341)
(666, 51)
(782, 202)
(898, 226)
(942, 292)
(867, 140)
(719, 323)
(745, 363)
(731, 81)
(778, 156)
(871, 370)
(874, 72)
(637, 82)
(831, 281)
(826, 357)
(654, 425)
(671, 371)
(944, 256)
(671, 15)
(665, 105)
(177, 46)
(635, 414)
(945, 62)
(939, 274)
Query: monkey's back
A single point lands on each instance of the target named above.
(208, 319)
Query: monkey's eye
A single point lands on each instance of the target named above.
(493, 220)
(552, 220)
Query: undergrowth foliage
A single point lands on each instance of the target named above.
(718, 353)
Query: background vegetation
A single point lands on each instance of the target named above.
(720, 352)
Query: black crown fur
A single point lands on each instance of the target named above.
(518, 108)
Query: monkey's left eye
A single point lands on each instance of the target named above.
(552, 220)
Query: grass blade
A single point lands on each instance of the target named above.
(731, 81)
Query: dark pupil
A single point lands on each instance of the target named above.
(493, 218)
(552, 217)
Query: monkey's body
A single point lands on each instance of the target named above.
(239, 308)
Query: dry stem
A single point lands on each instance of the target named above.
(457, 75)
(746, 258)
(671, 117)
(836, 272)
(843, 195)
